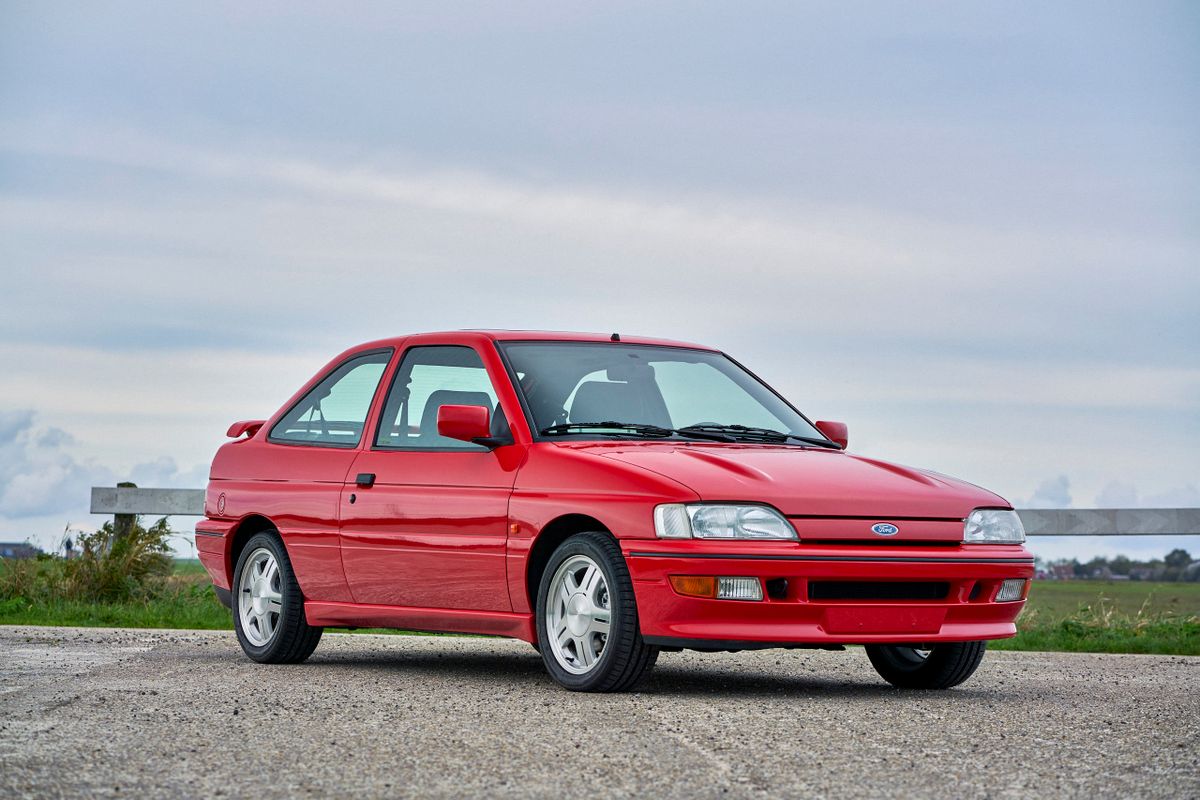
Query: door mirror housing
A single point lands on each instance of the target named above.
(466, 424)
(835, 432)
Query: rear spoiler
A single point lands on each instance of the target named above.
(249, 427)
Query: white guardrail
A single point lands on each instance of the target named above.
(1037, 521)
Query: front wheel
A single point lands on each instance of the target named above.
(587, 618)
(268, 607)
(939, 667)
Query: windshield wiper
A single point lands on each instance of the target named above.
(758, 434)
(633, 428)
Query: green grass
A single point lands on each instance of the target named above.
(186, 601)
(194, 607)
(1062, 598)
(190, 566)
(1081, 616)
(1109, 617)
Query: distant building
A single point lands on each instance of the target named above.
(1061, 572)
(1145, 573)
(18, 550)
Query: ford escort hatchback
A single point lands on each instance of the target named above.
(604, 498)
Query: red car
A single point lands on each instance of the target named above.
(603, 498)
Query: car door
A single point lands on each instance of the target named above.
(430, 529)
(296, 476)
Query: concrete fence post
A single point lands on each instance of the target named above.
(123, 523)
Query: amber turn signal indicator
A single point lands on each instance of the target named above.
(720, 588)
(694, 585)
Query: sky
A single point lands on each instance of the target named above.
(969, 230)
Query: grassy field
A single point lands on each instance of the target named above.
(1063, 598)
(1109, 617)
(190, 567)
(1083, 616)
(186, 600)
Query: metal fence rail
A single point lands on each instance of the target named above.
(131, 500)
(1037, 521)
(1110, 521)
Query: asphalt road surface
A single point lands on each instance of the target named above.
(95, 712)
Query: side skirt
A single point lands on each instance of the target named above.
(433, 620)
(671, 643)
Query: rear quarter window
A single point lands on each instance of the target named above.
(334, 412)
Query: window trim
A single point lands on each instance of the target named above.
(384, 448)
(272, 439)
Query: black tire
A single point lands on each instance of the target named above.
(293, 639)
(946, 665)
(625, 658)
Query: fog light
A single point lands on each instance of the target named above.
(1011, 590)
(739, 589)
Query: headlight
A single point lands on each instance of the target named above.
(993, 526)
(679, 521)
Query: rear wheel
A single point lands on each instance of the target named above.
(268, 607)
(587, 618)
(938, 667)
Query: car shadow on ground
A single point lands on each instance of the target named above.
(483, 665)
(727, 680)
(751, 683)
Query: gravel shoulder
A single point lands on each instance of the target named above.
(111, 713)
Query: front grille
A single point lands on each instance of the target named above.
(878, 590)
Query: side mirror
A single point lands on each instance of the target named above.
(465, 423)
(835, 431)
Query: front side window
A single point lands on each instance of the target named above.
(584, 384)
(334, 411)
(427, 379)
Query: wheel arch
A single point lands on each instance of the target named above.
(247, 527)
(554, 533)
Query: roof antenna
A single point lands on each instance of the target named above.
(616, 337)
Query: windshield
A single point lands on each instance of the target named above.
(570, 384)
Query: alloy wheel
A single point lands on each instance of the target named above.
(259, 598)
(578, 615)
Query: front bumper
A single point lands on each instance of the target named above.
(791, 614)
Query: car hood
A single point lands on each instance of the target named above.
(806, 482)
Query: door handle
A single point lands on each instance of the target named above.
(365, 480)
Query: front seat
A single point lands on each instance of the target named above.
(613, 401)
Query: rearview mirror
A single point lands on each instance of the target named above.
(835, 432)
(464, 423)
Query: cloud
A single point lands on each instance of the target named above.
(164, 472)
(975, 246)
(40, 477)
(37, 476)
(1118, 494)
(1050, 493)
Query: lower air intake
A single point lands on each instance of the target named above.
(878, 590)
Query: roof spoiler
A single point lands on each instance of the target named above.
(249, 427)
